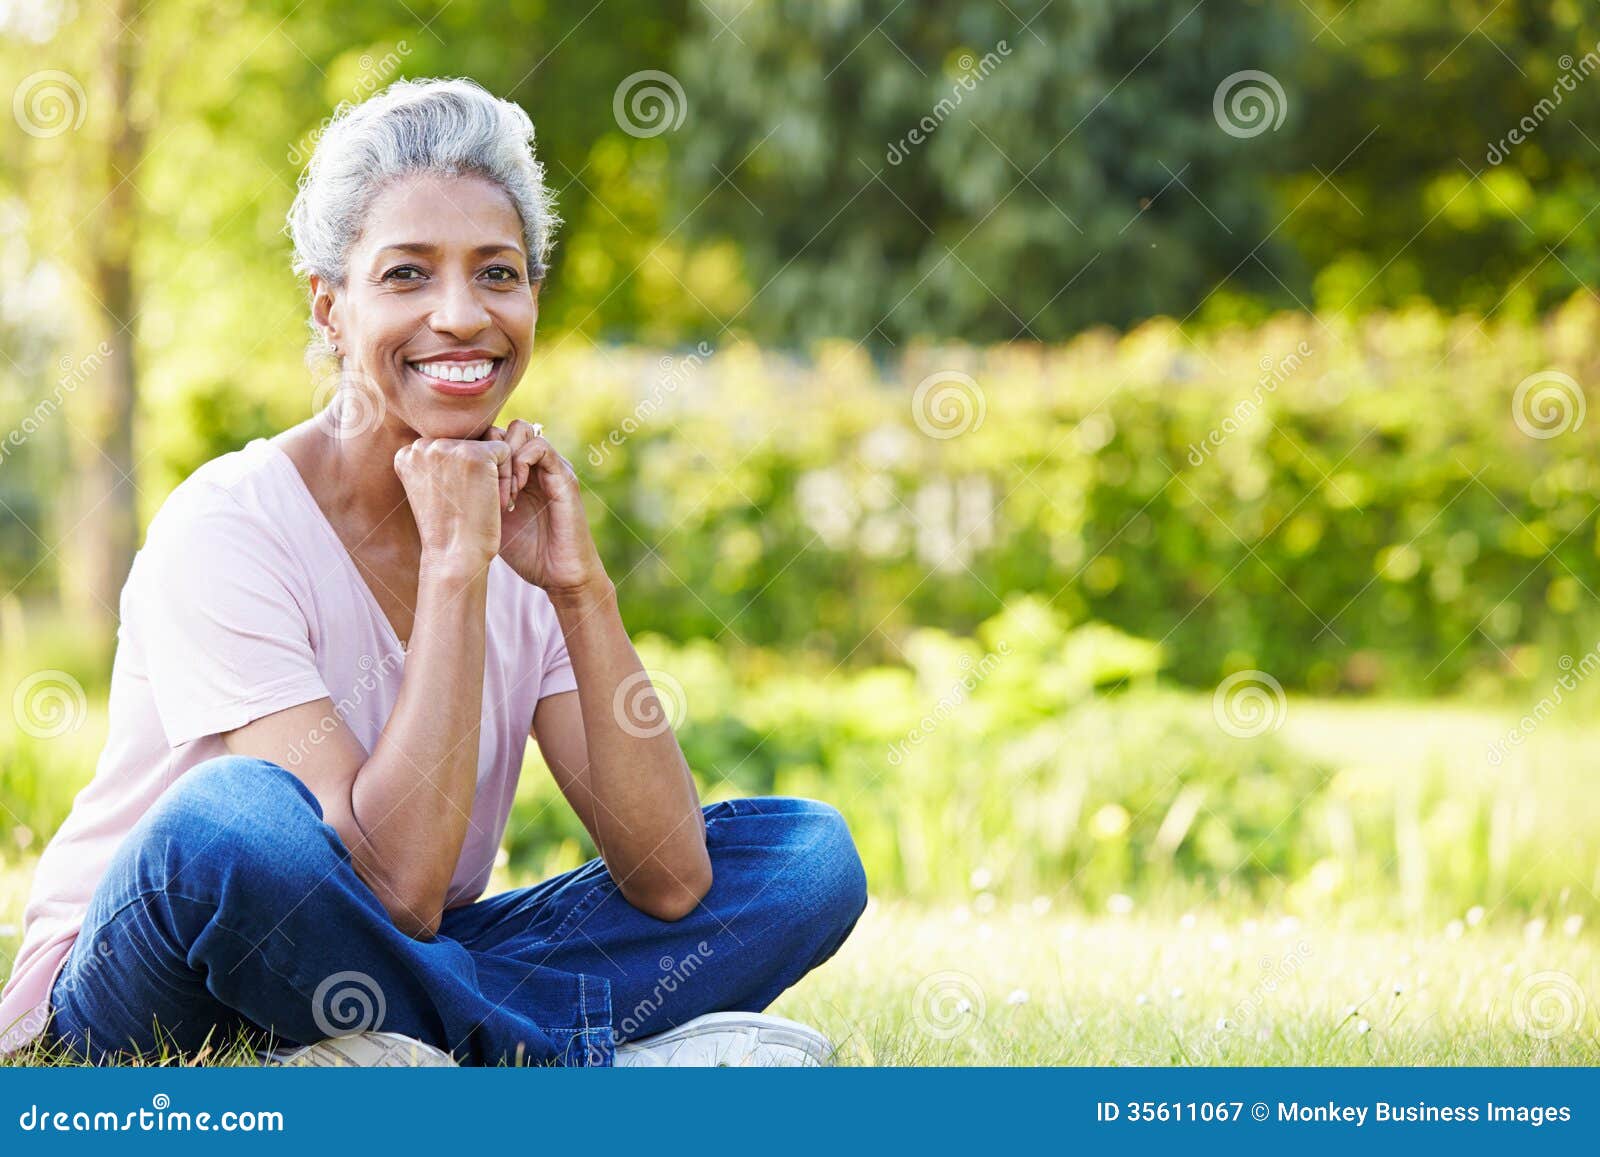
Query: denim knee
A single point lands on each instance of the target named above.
(235, 812)
(816, 873)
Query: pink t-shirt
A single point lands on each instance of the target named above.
(243, 602)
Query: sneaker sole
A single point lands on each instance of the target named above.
(768, 1030)
(365, 1050)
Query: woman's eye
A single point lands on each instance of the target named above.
(503, 273)
(395, 274)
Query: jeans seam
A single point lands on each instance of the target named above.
(573, 913)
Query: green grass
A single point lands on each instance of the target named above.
(992, 984)
(1021, 987)
(1000, 978)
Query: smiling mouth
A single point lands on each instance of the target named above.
(459, 378)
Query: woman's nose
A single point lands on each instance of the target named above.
(459, 312)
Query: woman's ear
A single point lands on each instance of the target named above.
(324, 310)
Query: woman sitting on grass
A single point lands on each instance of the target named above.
(334, 646)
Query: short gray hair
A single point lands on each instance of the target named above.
(415, 126)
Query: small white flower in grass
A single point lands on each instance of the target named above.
(1186, 921)
(983, 903)
(1119, 904)
(1018, 996)
(1141, 999)
(1177, 994)
(981, 878)
(1363, 1027)
(1224, 1024)
(1398, 988)
(1454, 929)
(1475, 915)
(1219, 942)
(1533, 929)
(1350, 1010)
(1572, 925)
(1041, 905)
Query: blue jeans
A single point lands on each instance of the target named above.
(232, 906)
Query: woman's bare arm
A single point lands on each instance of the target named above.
(615, 758)
(403, 810)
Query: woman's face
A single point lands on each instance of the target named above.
(436, 310)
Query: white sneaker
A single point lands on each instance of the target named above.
(729, 1040)
(363, 1050)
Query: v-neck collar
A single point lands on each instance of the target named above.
(321, 518)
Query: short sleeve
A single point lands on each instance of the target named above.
(212, 601)
(555, 672)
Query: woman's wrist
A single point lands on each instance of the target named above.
(452, 568)
(578, 602)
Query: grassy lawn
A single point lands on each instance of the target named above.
(997, 981)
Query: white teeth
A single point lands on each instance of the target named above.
(456, 371)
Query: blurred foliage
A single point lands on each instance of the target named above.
(1352, 506)
(1036, 760)
(1067, 144)
(1040, 759)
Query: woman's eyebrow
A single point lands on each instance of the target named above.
(425, 248)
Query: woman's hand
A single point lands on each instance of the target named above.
(544, 532)
(452, 485)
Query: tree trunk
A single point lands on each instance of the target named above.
(98, 550)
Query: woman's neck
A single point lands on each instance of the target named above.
(353, 479)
